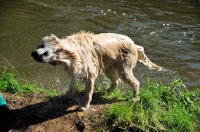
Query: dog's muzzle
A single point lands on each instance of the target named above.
(36, 56)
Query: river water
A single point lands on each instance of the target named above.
(169, 30)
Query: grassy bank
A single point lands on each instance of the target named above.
(161, 107)
(11, 82)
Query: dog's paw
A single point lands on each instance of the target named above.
(136, 99)
(83, 108)
(108, 92)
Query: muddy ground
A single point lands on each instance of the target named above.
(37, 113)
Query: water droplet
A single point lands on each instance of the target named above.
(57, 80)
(109, 10)
(152, 33)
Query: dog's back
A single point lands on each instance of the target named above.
(115, 46)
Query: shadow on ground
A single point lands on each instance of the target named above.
(31, 110)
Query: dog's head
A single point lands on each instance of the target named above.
(46, 50)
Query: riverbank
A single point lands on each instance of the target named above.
(160, 108)
(38, 112)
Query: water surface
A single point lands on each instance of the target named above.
(169, 30)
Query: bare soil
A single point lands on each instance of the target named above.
(38, 113)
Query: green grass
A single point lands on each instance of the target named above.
(161, 108)
(9, 82)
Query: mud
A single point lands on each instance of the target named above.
(36, 112)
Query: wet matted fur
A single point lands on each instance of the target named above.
(86, 55)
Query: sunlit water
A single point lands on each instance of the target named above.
(168, 30)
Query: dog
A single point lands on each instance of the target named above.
(86, 55)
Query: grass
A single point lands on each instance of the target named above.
(9, 82)
(161, 108)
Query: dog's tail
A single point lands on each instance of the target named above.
(144, 59)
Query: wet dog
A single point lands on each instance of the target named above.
(86, 55)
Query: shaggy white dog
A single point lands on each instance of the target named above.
(87, 55)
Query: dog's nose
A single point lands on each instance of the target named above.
(34, 54)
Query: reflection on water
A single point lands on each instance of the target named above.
(168, 30)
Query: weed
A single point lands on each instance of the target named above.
(116, 94)
(79, 87)
(9, 82)
(161, 108)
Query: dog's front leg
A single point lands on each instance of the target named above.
(89, 86)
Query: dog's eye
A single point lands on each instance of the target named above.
(45, 53)
(42, 46)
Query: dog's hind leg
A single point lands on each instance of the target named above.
(112, 74)
(126, 75)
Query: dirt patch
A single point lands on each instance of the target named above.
(36, 112)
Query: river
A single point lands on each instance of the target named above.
(169, 30)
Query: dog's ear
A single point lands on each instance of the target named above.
(54, 38)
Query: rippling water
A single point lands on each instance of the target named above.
(169, 30)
